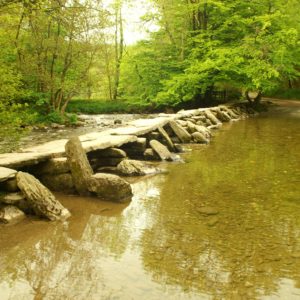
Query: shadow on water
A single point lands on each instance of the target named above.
(225, 225)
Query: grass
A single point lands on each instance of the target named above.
(292, 94)
(107, 107)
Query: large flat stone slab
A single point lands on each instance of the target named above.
(19, 160)
(6, 173)
(141, 126)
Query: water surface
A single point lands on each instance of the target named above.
(224, 225)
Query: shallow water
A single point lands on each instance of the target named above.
(225, 225)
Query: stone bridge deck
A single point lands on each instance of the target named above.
(91, 141)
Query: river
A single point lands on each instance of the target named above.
(223, 225)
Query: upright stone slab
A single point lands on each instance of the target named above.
(166, 137)
(213, 119)
(80, 167)
(161, 150)
(110, 187)
(199, 138)
(180, 132)
(42, 201)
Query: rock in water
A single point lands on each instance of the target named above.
(149, 154)
(42, 201)
(11, 214)
(80, 167)
(211, 117)
(131, 168)
(180, 132)
(199, 138)
(110, 187)
(161, 150)
(166, 137)
(207, 210)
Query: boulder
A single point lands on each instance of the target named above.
(110, 187)
(198, 137)
(180, 132)
(223, 116)
(18, 200)
(204, 130)
(79, 165)
(130, 167)
(161, 150)
(12, 198)
(42, 201)
(97, 163)
(6, 173)
(107, 153)
(135, 168)
(166, 138)
(59, 183)
(191, 127)
(229, 111)
(54, 166)
(211, 117)
(149, 154)
(11, 214)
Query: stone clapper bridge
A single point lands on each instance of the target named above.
(92, 164)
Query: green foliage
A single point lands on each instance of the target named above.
(107, 107)
(285, 93)
(246, 45)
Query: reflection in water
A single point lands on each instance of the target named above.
(225, 225)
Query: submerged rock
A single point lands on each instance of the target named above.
(11, 214)
(42, 201)
(207, 210)
(80, 167)
(110, 187)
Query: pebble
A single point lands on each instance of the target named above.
(207, 210)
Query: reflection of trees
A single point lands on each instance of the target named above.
(53, 264)
(249, 248)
